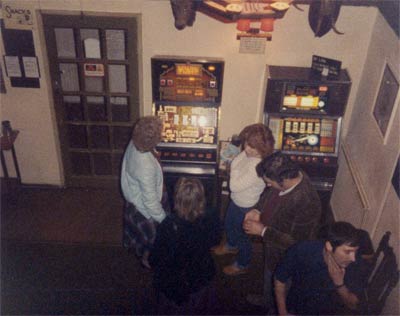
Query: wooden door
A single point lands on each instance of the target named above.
(94, 71)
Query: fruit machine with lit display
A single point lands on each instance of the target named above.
(304, 110)
(187, 97)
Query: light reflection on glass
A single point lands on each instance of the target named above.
(202, 121)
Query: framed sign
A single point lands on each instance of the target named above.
(326, 66)
(386, 99)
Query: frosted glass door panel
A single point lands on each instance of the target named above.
(65, 42)
(117, 78)
(115, 40)
(94, 84)
(69, 77)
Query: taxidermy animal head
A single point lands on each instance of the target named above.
(322, 16)
(184, 12)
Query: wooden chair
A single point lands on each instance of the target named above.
(383, 277)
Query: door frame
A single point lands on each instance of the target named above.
(53, 19)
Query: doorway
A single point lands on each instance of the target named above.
(93, 63)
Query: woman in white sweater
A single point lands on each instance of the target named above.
(246, 187)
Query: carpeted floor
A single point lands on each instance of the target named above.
(61, 254)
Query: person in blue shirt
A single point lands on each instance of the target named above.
(315, 277)
(142, 187)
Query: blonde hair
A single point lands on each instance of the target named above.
(189, 199)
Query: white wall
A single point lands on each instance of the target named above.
(372, 156)
(293, 43)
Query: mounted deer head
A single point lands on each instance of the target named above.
(184, 12)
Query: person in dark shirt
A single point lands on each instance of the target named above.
(322, 281)
(181, 259)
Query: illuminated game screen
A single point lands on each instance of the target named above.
(305, 97)
(305, 135)
(188, 124)
(187, 81)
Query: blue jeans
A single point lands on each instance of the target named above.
(235, 235)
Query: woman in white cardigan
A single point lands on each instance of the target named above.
(142, 187)
(246, 187)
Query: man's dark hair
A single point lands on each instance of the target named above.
(277, 167)
(341, 233)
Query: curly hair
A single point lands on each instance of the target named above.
(189, 199)
(147, 133)
(259, 137)
(277, 167)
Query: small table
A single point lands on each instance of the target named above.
(7, 143)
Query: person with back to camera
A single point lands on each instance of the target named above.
(246, 187)
(181, 259)
(321, 279)
(142, 187)
(288, 212)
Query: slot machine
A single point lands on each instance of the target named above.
(187, 96)
(304, 112)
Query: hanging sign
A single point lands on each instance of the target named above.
(17, 15)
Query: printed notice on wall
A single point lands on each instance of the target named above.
(13, 69)
(252, 45)
(31, 68)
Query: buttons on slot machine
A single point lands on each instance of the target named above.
(293, 158)
(174, 154)
(183, 155)
(314, 159)
(326, 160)
(300, 159)
(208, 156)
(307, 159)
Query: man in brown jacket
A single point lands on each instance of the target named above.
(288, 212)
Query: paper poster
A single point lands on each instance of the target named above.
(92, 48)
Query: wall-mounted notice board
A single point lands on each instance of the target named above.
(20, 59)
